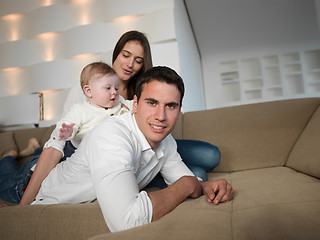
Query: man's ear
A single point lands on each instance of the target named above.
(134, 104)
(87, 91)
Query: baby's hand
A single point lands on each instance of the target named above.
(65, 131)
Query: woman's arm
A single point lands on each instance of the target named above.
(48, 159)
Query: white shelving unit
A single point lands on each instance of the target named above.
(268, 77)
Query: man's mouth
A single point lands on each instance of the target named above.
(157, 127)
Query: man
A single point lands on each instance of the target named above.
(122, 155)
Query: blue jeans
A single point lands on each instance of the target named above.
(200, 157)
(13, 180)
(68, 150)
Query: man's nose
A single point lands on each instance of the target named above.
(160, 113)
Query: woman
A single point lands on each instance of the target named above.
(131, 58)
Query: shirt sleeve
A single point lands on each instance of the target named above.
(54, 141)
(174, 168)
(111, 161)
(73, 116)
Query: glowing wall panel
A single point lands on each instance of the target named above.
(44, 45)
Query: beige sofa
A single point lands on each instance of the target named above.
(270, 154)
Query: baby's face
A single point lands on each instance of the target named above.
(104, 91)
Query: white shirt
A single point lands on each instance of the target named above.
(86, 117)
(113, 163)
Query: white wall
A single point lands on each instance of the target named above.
(190, 62)
(44, 44)
(238, 29)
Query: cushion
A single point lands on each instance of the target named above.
(305, 156)
(251, 136)
(46, 135)
(7, 143)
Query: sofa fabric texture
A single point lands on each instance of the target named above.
(269, 153)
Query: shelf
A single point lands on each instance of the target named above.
(312, 60)
(292, 68)
(253, 94)
(231, 92)
(229, 66)
(313, 77)
(274, 92)
(270, 77)
(252, 83)
(228, 76)
(271, 61)
(314, 87)
(289, 58)
(294, 84)
(250, 68)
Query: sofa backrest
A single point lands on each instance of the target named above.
(21, 137)
(251, 136)
(305, 156)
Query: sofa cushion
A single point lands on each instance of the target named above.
(305, 156)
(46, 135)
(251, 136)
(270, 203)
(292, 221)
(57, 221)
(7, 143)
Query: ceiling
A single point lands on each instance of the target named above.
(222, 26)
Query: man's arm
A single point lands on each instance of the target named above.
(166, 200)
(48, 159)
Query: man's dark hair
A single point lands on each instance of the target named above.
(161, 74)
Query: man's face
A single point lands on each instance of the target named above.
(157, 111)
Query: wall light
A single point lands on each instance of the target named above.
(13, 21)
(11, 69)
(47, 3)
(46, 35)
(78, 1)
(12, 17)
(85, 55)
(127, 18)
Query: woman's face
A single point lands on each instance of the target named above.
(129, 61)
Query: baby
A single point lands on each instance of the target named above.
(99, 83)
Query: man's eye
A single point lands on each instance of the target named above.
(151, 103)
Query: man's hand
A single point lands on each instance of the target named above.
(66, 131)
(218, 191)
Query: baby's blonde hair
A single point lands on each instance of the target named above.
(93, 71)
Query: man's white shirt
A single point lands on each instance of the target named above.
(113, 164)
